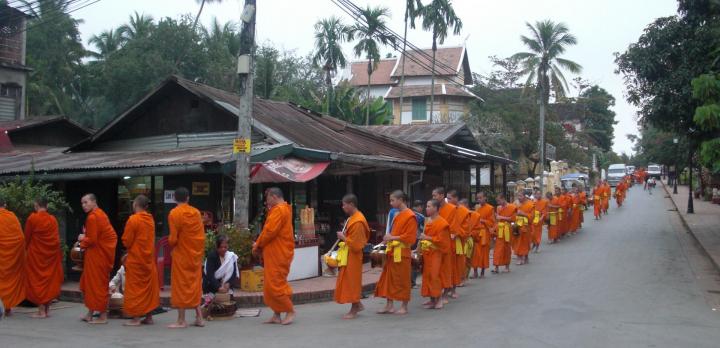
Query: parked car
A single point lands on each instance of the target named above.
(577, 178)
(615, 173)
(654, 171)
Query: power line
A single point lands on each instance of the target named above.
(81, 4)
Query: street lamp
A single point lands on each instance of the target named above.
(675, 177)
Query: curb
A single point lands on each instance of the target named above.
(251, 301)
(689, 230)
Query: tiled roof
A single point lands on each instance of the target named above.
(380, 76)
(448, 61)
(424, 90)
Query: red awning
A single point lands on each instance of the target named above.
(286, 170)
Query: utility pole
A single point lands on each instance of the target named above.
(242, 144)
(690, 207)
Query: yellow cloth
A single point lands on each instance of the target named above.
(397, 254)
(553, 218)
(536, 219)
(597, 198)
(521, 221)
(426, 245)
(459, 249)
(469, 248)
(342, 254)
(561, 211)
(504, 230)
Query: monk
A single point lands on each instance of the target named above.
(459, 232)
(620, 193)
(434, 242)
(597, 200)
(505, 216)
(12, 259)
(142, 288)
(99, 241)
(567, 208)
(575, 210)
(583, 203)
(277, 244)
(481, 252)
(187, 238)
(474, 235)
(523, 219)
(538, 220)
(605, 197)
(448, 212)
(554, 206)
(394, 283)
(348, 288)
(44, 258)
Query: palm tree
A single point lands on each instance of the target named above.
(202, 6)
(140, 26)
(438, 17)
(106, 43)
(371, 33)
(543, 66)
(412, 11)
(330, 33)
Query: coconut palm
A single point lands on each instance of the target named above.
(140, 26)
(330, 33)
(412, 11)
(438, 17)
(202, 6)
(371, 34)
(543, 66)
(106, 43)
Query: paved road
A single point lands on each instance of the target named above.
(633, 279)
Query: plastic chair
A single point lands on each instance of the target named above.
(163, 260)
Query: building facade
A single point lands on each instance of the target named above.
(13, 72)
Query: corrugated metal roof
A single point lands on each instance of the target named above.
(421, 133)
(37, 121)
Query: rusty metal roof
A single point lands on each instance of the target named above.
(286, 122)
(38, 121)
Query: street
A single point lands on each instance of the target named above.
(633, 279)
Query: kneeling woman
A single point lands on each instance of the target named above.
(434, 242)
(220, 273)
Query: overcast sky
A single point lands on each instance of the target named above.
(489, 28)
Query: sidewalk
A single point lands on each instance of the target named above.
(704, 225)
(304, 291)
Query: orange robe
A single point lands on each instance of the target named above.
(541, 208)
(554, 214)
(44, 258)
(502, 252)
(481, 253)
(12, 260)
(348, 288)
(597, 201)
(461, 229)
(562, 215)
(448, 212)
(525, 237)
(142, 288)
(439, 231)
(99, 244)
(583, 206)
(394, 283)
(277, 242)
(187, 238)
(575, 213)
(620, 193)
(605, 198)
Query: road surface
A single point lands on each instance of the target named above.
(633, 279)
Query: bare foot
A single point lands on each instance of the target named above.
(98, 322)
(39, 315)
(178, 325)
(439, 305)
(361, 307)
(147, 321)
(454, 296)
(274, 320)
(461, 285)
(386, 310)
(350, 315)
(445, 301)
(289, 318)
(199, 323)
(429, 303)
(133, 322)
(401, 311)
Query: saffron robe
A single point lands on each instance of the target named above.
(554, 230)
(525, 237)
(502, 252)
(99, 244)
(541, 207)
(461, 229)
(348, 288)
(481, 253)
(394, 283)
(439, 230)
(187, 238)
(12, 260)
(575, 213)
(44, 258)
(277, 242)
(597, 201)
(448, 212)
(142, 288)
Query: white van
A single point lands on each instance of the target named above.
(616, 172)
(654, 171)
(630, 170)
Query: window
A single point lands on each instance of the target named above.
(11, 90)
(419, 109)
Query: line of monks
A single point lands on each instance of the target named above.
(454, 239)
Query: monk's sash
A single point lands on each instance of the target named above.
(504, 230)
(536, 218)
(342, 254)
(469, 248)
(459, 247)
(521, 221)
(561, 213)
(553, 218)
(426, 245)
(597, 198)
(396, 247)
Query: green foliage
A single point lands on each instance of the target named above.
(20, 195)
(598, 117)
(710, 154)
(706, 88)
(439, 16)
(239, 241)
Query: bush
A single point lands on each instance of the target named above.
(239, 241)
(20, 195)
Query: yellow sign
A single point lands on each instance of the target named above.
(200, 188)
(241, 145)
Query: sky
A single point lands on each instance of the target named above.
(489, 28)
